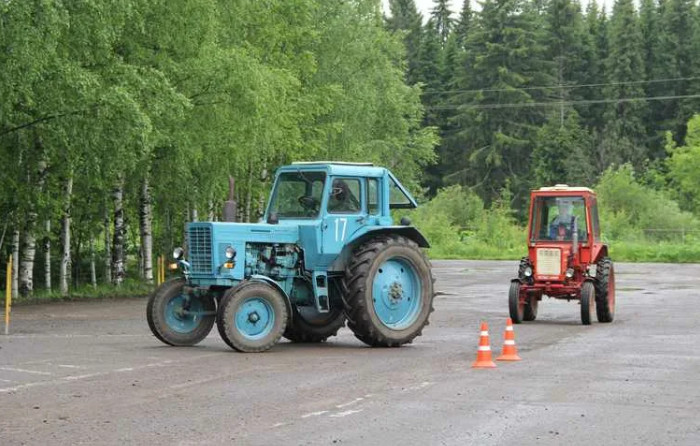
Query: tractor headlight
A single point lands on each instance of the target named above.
(569, 273)
(527, 272)
(178, 253)
(230, 252)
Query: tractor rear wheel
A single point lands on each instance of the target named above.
(587, 302)
(516, 307)
(530, 310)
(605, 290)
(252, 317)
(308, 325)
(177, 318)
(389, 291)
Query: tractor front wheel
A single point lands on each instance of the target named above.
(605, 290)
(530, 313)
(587, 302)
(389, 291)
(252, 317)
(516, 307)
(177, 318)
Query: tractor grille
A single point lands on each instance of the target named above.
(199, 241)
(548, 262)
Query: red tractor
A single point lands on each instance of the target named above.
(566, 258)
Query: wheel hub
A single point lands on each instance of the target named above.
(396, 292)
(253, 317)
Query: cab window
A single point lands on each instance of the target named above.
(345, 196)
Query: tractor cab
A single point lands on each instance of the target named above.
(566, 257)
(563, 231)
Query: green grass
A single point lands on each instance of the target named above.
(130, 288)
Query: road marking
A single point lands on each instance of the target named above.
(279, 424)
(125, 369)
(67, 379)
(5, 380)
(68, 366)
(77, 377)
(346, 413)
(314, 414)
(33, 372)
(355, 401)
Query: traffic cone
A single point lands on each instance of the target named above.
(483, 354)
(510, 351)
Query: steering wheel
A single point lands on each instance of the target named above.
(309, 203)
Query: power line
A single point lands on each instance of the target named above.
(562, 87)
(561, 103)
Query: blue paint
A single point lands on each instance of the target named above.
(396, 294)
(254, 318)
(179, 317)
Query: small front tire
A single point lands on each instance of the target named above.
(177, 318)
(516, 307)
(252, 317)
(587, 302)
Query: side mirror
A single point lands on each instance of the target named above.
(405, 221)
(273, 218)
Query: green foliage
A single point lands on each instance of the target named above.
(684, 168)
(630, 211)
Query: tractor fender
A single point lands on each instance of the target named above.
(275, 285)
(409, 232)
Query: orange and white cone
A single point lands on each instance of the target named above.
(483, 354)
(510, 351)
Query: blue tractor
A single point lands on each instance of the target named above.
(325, 252)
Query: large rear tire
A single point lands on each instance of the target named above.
(389, 291)
(252, 317)
(587, 302)
(308, 325)
(605, 290)
(515, 306)
(177, 318)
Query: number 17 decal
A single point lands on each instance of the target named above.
(340, 233)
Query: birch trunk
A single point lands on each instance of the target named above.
(26, 266)
(249, 194)
(146, 220)
(118, 267)
(93, 268)
(195, 214)
(47, 255)
(212, 212)
(64, 273)
(15, 261)
(108, 247)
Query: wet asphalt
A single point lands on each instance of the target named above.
(91, 373)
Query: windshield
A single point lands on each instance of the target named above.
(298, 194)
(555, 218)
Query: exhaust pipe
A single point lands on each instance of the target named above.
(230, 205)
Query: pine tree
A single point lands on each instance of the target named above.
(594, 59)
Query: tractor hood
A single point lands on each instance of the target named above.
(207, 243)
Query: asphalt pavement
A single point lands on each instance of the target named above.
(90, 372)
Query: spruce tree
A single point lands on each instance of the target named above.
(461, 28)
(406, 19)
(496, 124)
(442, 20)
(625, 136)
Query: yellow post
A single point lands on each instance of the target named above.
(162, 262)
(8, 295)
(158, 271)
